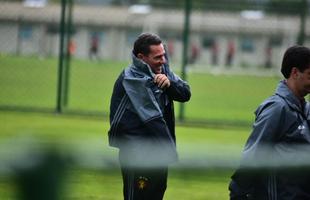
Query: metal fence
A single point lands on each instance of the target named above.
(64, 57)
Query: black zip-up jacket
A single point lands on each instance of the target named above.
(142, 115)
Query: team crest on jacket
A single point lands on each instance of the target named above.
(142, 183)
(301, 127)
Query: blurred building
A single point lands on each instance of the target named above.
(255, 38)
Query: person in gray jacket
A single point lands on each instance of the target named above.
(142, 119)
(275, 160)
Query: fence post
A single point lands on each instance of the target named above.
(68, 32)
(303, 17)
(61, 57)
(185, 49)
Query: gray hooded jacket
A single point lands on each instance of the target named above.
(278, 145)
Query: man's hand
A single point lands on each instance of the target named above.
(162, 81)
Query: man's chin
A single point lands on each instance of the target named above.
(158, 71)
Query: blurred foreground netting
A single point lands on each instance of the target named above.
(40, 170)
(20, 154)
(42, 179)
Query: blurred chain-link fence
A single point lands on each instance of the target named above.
(70, 63)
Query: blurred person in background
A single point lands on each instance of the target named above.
(142, 119)
(94, 47)
(275, 160)
(268, 56)
(214, 53)
(170, 48)
(230, 53)
(195, 53)
(71, 47)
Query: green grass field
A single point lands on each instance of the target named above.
(32, 82)
(216, 99)
(90, 134)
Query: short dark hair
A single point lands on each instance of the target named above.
(143, 43)
(295, 56)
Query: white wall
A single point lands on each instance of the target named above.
(8, 37)
(116, 44)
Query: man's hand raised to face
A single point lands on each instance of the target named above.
(162, 81)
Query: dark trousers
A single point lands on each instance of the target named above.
(144, 183)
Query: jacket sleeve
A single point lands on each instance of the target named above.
(257, 155)
(179, 90)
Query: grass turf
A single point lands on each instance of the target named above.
(105, 183)
(32, 82)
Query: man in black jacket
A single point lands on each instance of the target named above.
(142, 119)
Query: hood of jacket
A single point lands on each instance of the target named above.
(287, 94)
(140, 67)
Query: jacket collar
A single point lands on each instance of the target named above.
(287, 94)
(140, 66)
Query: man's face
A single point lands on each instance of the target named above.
(155, 59)
(303, 81)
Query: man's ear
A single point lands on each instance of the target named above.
(140, 55)
(294, 72)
